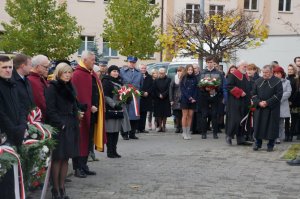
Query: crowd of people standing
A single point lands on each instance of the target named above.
(76, 101)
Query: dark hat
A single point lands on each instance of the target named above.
(279, 69)
(111, 68)
(62, 61)
(103, 63)
(132, 59)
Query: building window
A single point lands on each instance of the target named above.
(152, 1)
(214, 9)
(107, 51)
(250, 4)
(284, 5)
(192, 13)
(87, 43)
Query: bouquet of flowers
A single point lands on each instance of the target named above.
(209, 82)
(127, 92)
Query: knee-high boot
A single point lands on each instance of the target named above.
(109, 145)
(115, 142)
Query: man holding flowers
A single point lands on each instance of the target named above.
(211, 94)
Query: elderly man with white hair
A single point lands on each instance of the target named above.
(38, 80)
(92, 130)
(239, 88)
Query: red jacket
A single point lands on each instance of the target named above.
(38, 85)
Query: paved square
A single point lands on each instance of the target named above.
(164, 166)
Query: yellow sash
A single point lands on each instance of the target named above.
(99, 126)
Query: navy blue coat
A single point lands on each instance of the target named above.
(188, 88)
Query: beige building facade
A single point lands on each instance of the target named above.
(282, 17)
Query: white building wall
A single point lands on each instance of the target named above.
(276, 48)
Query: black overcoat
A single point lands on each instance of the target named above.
(62, 113)
(24, 91)
(12, 114)
(237, 106)
(146, 102)
(266, 120)
(162, 107)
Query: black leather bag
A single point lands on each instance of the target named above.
(114, 114)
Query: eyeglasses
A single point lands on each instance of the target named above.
(45, 67)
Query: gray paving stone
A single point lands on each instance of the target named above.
(164, 166)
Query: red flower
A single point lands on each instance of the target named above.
(35, 184)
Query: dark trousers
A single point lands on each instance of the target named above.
(287, 127)
(7, 186)
(80, 162)
(112, 141)
(178, 118)
(142, 121)
(134, 126)
(258, 143)
(209, 105)
(294, 124)
(194, 127)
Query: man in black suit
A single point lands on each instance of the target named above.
(22, 68)
(12, 121)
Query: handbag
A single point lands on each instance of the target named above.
(114, 114)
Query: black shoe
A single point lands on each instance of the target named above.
(55, 194)
(117, 155)
(255, 147)
(125, 137)
(133, 137)
(216, 136)
(79, 173)
(63, 194)
(90, 173)
(203, 136)
(144, 131)
(295, 162)
(177, 130)
(228, 140)
(111, 155)
(246, 143)
(270, 149)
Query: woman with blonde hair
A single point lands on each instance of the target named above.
(162, 107)
(62, 112)
(154, 74)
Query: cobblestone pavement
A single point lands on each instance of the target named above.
(164, 166)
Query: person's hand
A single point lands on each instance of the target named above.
(94, 109)
(145, 94)
(265, 103)
(207, 88)
(171, 103)
(243, 94)
(261, 104)
(193, 101)
(212, 92)
(80, 115)
(161, 96)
